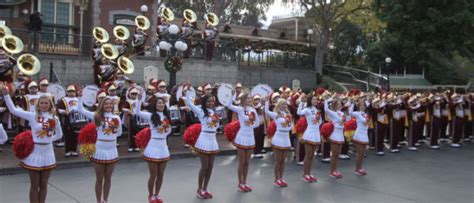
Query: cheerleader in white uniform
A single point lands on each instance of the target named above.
(156, 151)
(245, 139)
(109, 127)
(337, 137)
(206, 145)
(46, 129)
(311, 136)
(3, 135)
(281, 140)
(361, 137)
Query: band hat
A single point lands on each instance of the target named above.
(238, 85)
(44, 81)
(71, 88)
(32, 84)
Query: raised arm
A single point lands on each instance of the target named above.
(58, 131)
(351, 109)
(271, 114)
(327, 110)
(301, 111)
(142, 114)
(85, 112)
(233, 108)
(18, 111)
(198, 111)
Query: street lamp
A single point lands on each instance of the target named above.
(310, 35)
(388, 60)
(144, 9)
(173, 43)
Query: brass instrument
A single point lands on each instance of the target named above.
(109, 51)
(167, 14)
(4, 31)
(100, 34)
(29, 64)
(212, 19)
(12, 44)
(121, 32)
(142, 22)
(189, 15)
(126, 65)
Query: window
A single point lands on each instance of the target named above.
(6, 12)
(58, 14)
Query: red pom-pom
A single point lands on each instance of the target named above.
(350, 125)
(271, 129)
(231, 129)
(320, 91)
(301, 125)
(327, 129)
(191, 134)
(23, 144)
(354, 92)
(88, 134)
(142, 138)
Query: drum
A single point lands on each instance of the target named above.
(224, 93)
(89, 94)
(262, 90)
(140, 123)
(57, 91)
(174, 113)
(179, 92)
(77, 120)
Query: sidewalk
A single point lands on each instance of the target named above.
(9, 163)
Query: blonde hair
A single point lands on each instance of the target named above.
(243, 98)
(51, 109)
(279, 103)
(99, 113)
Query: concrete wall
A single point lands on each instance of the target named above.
(79, 70)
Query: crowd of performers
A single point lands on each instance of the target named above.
(318, 122)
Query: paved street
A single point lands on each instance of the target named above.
(426, 176)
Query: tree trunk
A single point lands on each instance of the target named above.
(321, 50)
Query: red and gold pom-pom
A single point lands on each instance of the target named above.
(320, 91)
(52, 123)
(327, 129)
(142, 138)
(191, 134)
(88, 134)
(87, 151)
(350, 125)
(271, 129)
(23, 144)
(301, 125)
(231, 129)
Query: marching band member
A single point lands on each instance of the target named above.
(210, 33)
(7, 63)
(245, 138)
(138, 41)
(435, 112)
(206, 145)
(360, 138)
(72, 120)
(161, 32)
(112, 94)
(281, 140)
(96, 56)
(156, 151)
(121, 46)
(109, 127)
(236, 101)
(457, 104)
(381, 110)
(468, 118)
(43, 88)
(446, 118)
(336, 139)
(397, 117)
(260, 130)
(133, 123)
(187, 34)
(163, 93)
(311, 137)
(415, 123)
(45, 129)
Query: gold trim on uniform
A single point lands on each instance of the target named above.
(359, 142)
(156, 160)
(104, 161)
(243, 147)
(204, 151)
(280, 148)
(309, 142)
(336, 142)
(34, 168)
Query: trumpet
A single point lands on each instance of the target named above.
(29, 64)
(167, 14)
(189, 15)
(109, 51)
(126, 65)
(12, 44)
(142, 22)
(121, 32)
(100, 34)
(212, 19)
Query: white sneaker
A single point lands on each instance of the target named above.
(60, 144)
(412, 148)
(67, 154)
(394, 150)
(326, 160)
(258, 156)
(467, 139)
(443, 139)
(186, 146)
(292, 149)
(417, 144)
(130, 149)
(434, 147)
(344, 157)
(136, 149)
(455, 145)
(379, 153)
(300, 163)
(371, 148)
(74, 154)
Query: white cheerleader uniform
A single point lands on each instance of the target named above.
(107, 133)
(361, 132)
(284, 123)
(313, 117)
(157, 148)
(338, 119)
(3, 135)
(245, 138)
(42, 158)
(206, 143)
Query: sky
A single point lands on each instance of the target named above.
(280, 9)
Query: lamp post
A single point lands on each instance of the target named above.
(310, 36)
(144, 9)
(174, 44)
(388, 60)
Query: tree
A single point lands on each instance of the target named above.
(423, 34)
(238, 12)
(349, 43)
(327, 16)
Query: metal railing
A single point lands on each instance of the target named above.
(356, 76)
(276, 59)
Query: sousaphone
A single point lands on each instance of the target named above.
(121, 32)
(28, 64)
(167, 14)
(189, 15)
(126, 65)
(4, 31)
(109, 51)
(212, 19)
(12, 44)
(142, 22)
(100, 34)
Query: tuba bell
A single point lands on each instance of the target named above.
(121, 32)
(167, 14)
(189, 15)
(100, 34)
(109, 51)
(12, 44)
(29, 64)
(212, 19)
(4, 31)
(126, 65)
(142, 22)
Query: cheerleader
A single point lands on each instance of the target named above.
(245, 139)
(3, 135)
(311, 136)
(109, 127)
(206, 145)
(156, 151)
(361, 135)
(281, 140)
(337, 137)
(45, 129)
